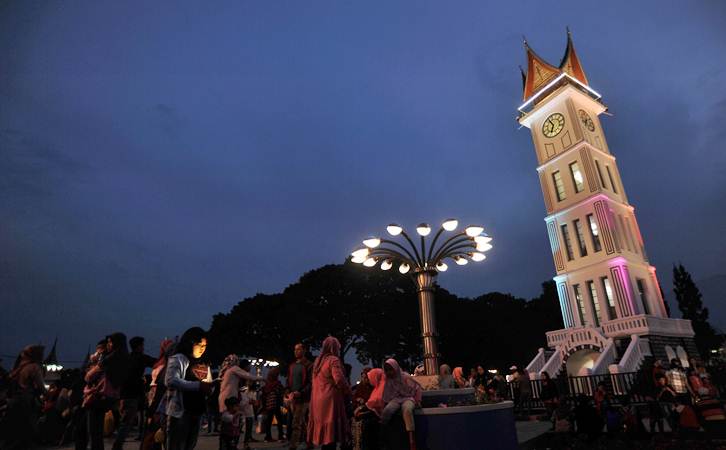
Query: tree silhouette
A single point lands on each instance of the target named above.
(691, 306)
(375, 314)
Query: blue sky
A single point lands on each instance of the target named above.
(160, 161)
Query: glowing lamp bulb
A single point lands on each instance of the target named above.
(478, 256)
(359, 259)
(370, 262)
(387, 264)
(360, 252)
(474, 230)
(394, 230)
(442, 267)
(372, 242)
(483, 247)
(460, 260)
(483, 239)
(404, 268)
(423, 229)
(450, 224)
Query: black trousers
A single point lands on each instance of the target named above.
(268, 423)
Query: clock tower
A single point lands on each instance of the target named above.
(611, 302)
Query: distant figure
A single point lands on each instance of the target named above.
(299, 383)
(185, 402)
(395, 391)
(328, 424)
(132, 391)
(446, 381)
(156, 415)
(248, 401)
(104, 380)
(549, 395)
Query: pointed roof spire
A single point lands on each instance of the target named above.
(52, 358)
(539, 72)
(571, 63)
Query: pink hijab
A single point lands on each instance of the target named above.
(399, 388)
(331, 347)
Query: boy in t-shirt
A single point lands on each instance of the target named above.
(229, 433)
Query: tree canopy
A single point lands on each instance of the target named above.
(375, 315)
(691, 305)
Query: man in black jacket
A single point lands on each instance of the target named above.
(132, 391)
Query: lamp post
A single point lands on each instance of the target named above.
(423, 263)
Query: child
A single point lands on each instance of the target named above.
(248, 400)
(229, 433)
(271, 401)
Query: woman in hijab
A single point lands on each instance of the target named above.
(328, 423)
(394, 390)
(446, 381)
(231, 374)
(459, 380)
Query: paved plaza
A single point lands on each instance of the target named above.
(525, 432)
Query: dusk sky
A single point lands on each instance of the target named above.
(160, 161)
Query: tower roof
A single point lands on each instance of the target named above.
(539, 72)
(571, 63)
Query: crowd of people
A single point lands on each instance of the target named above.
(316, 405)
(112, 395)
(685, 399)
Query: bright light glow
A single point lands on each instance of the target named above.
(478, 256)
(387, 264)
(593, 227)
(483, 247)
(370, 262)
(450, 224)
(460, 260)
(578, 177)
(372, 242)
(360, 252)
(359, 259)
(394, 230)
(53, 367)
(423, 229)
(483, 239)
(492, 371)
(474, 230)
(552, 83)
(404, 268)
(442, 267)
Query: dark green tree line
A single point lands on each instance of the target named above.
(375, 315)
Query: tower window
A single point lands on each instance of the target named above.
(609, 297)
(577, 177)
(568, 242)
(594, 233)
(559, 186)
(595, 302)
(641, 292)
(599, 174)
(580, 303)
(610, 177)
(580, 237)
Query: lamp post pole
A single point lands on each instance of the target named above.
(423, 267)
(427, 314)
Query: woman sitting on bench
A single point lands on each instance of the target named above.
(394, 390)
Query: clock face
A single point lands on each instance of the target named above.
(553, 125)
(586, 120)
